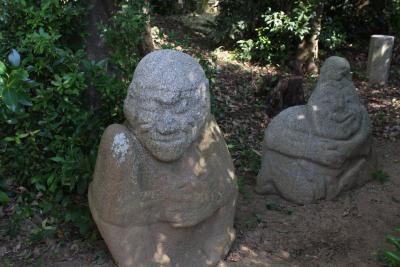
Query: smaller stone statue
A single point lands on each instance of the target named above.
(317, 150)
(164, 190)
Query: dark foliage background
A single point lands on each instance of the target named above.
(49, 132)
(270, 31)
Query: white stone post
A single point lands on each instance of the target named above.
(379, 57)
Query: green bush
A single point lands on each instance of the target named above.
(124, 34)
(281, 31)
(173, 7)
(49, 134)
(271, 30)
(232, 24)
(332, 36)
(20, 17)
(392, 13)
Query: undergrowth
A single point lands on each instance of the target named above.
(49, 132)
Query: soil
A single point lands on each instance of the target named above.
(347, 231)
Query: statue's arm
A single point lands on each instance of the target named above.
(357, 145)
(292, 135)
(289, 133)
(114, 191)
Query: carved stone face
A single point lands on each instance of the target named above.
(336, 110)
(334, 105)
(168, 102)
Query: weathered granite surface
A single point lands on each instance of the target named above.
(164, 189)
(317, 150)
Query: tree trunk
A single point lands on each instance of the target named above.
(307, 52)
(100, 13)
(147, 45)
(287, 93)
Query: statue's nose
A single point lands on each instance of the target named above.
(168, 124)
(340, 103)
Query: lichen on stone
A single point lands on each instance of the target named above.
(120, 147)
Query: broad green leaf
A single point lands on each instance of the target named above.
(10, 99)
(20, 74)
(40, 187)
(394, 240)
(1, 86)
(24, 99)
(2, 67)
(9, 139)
(11, 121)
(57, 159)
(25, 102)
(22, 135)
(53, 187)
(50, 179)
(3, 198)
(392, 257)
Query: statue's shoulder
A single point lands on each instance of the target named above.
(115, 176)
(211, 135)
(293, 113)
(118, 141)
(117, 152)
(114, 130)
(295, 118)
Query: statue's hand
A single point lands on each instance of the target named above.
(328, 152)
(189, 203)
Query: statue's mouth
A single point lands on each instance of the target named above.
(170, 138)
(341, 118)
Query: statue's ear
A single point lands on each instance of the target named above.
(130, 109)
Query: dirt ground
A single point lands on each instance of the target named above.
(347, 231)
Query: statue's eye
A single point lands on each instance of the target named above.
(182, 106)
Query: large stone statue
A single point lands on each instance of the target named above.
(317, 150)
(164, 190)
